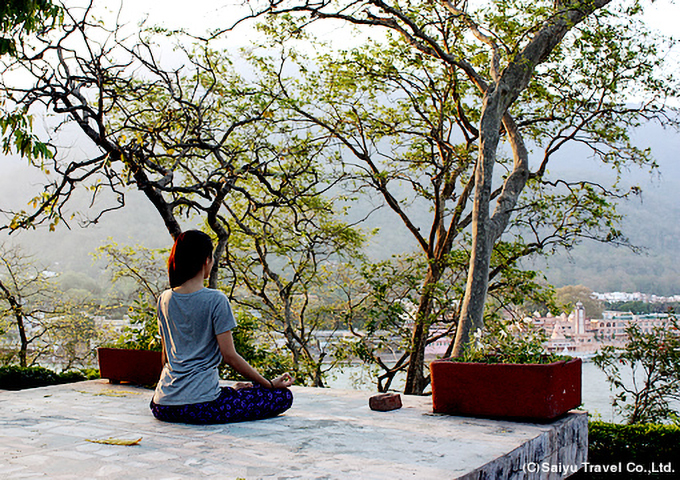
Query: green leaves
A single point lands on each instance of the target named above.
(636, 445)
(142, 333)
(24, 17)
(250, 342)
(17, 137)
(509, 342)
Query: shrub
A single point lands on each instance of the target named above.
(269, 363)
(13, 377)
(509, 342)
(652, 360)
(641, 451)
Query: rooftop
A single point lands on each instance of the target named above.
(327, 434)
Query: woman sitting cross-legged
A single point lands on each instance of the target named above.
(195, 324)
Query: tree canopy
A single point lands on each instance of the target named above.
(456, 106)
(469, 104)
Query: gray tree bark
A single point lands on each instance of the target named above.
(486, 229)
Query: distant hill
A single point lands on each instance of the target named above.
(69, 249)
(652, 223)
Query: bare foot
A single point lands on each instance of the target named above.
(240, 385)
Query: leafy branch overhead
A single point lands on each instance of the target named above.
(21, 19)
(184, 136)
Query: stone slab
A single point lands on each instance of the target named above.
(327, 434)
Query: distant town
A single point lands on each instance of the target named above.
(577, 334)
(613, 297)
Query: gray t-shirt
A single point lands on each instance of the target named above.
(189, 324)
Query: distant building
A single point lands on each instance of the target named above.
(571, 334)
(577, 334)
(635, 297)
(612, 327)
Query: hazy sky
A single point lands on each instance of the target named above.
(204, 14)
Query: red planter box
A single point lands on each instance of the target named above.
(530, 392)
(142, 367)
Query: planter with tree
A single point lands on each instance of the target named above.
(506, 374)
(136, 356)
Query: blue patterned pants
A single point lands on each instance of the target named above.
(253, 403)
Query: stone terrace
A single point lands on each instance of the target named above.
(327, 434)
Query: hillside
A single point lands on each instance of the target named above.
(652, 222)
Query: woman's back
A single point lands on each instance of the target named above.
(188, 325)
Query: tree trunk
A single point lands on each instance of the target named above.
(472, 310)
(497, 99)
(317, 381)
(485, 232)
(15, 306)
(415, 376)
(292, 342)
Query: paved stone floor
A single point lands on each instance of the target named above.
(327, 434)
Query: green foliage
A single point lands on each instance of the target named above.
(645, 445)
(22, 17)
(15, 129)
(142, 333)
(393, 291)
(653, 360)
(269, 363)
(13, 377)
(511, 284)
(503, 341)
(71, 336)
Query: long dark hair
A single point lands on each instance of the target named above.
(188, 255)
